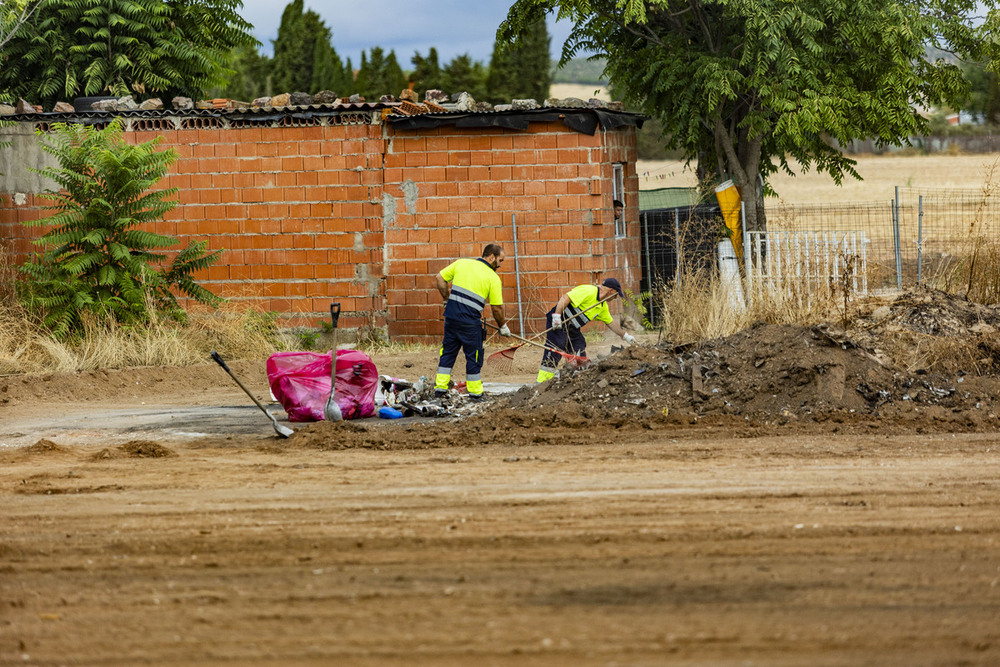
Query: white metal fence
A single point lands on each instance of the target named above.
(806, 260)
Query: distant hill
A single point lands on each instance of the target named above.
(580, 70)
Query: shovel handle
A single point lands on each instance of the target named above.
(221, 362)
(334, 313)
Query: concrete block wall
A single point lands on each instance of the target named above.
(351, 210)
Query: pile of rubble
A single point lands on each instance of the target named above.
(782, 373)
(434, 100)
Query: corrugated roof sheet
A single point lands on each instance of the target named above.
(397, 114)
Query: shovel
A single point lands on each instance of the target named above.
(331, 411)
(283, 431)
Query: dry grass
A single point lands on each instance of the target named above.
(701, 306)
(971, 268)
(27, 348)
(881, 173)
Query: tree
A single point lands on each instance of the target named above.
(328, 70)
(251, 75)
(304, 59)
(522, 72)
(13, 14)
(98, 258)
(745, 87)
(426, 73)
(94, 47)
(463, 74)
(350, 84)
(984, 93)
(380, 75)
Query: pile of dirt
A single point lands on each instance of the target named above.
(929, 331)
(134, 449)
(782, 373)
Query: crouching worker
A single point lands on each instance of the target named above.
(574, 309)
(467, 285)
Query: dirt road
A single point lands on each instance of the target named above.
(697, 541)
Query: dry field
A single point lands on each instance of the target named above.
(881, 173)
(579, 90)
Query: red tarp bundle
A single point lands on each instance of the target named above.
(300, 381)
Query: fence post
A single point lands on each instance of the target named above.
(920, 239)
(517, 275)
(897, 241)
(649, 267)
(677, 243)
(747, 264)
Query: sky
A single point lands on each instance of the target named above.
(453, 27)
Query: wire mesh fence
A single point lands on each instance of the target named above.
(918, 235)
(676, 241)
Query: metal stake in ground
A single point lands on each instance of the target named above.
(283, 431)
(331, 411)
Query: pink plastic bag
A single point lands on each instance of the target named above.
(300, 381)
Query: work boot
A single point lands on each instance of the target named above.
(439, 394)
(477, 398)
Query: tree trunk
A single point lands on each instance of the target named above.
(742, 163)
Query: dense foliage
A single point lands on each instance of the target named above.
(426, 74)
(521, 72)
(304, 58)
(97, 256)
(71, 48)
(742, 88)
(379, 75)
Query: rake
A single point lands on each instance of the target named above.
(503, 360)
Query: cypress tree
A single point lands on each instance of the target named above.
(302, 48)
(426, 73)
(463, 74)
(380, 75)
(521, 71)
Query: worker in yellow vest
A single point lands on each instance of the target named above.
(467, 285)
(574, 309)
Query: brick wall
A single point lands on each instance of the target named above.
(345, 208)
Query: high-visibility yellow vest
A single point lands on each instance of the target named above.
(474, 283)
(582, 298)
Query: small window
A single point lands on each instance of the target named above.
(618, 195)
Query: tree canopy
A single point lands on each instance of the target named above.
(743, 88)
(92, 47)
(304, 58)
(380, 74)
(426, 74)
(521, 73)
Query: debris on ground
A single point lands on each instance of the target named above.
(785, 373)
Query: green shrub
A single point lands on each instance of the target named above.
(97, 257)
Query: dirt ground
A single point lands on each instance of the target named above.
(784, 496)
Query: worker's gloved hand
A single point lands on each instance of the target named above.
(556, 320)
(628, 338)
(505, 330)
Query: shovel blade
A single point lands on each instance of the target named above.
(331, 411)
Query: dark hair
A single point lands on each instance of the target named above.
(618, 203)
(492, 249)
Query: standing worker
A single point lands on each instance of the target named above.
(574, 309)
(467, 285)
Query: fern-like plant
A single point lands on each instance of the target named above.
(97, 256)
